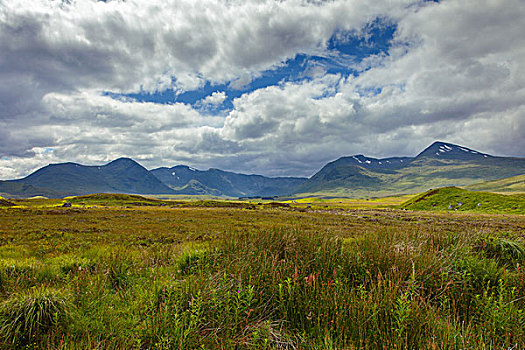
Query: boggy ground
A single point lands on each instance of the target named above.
(162, 277)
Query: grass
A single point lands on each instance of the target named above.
(322, 202)
(509, 184)
(242, 275)
(30, 317)
(457, 199)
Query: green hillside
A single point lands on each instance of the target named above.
(510, 184)
(454, 199)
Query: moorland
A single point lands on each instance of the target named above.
(129, 272)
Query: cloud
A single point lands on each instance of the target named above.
(454, 71)
(216, 98)
(133, 45)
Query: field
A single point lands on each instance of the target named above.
(124, 272)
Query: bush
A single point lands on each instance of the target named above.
(118, 275)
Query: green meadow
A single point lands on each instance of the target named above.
(457, 199)
(128, 272)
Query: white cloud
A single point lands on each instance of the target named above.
(129, 45)
(455, 72)
(216, 98)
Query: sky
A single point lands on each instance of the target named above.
(277, 88)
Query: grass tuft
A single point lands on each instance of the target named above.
(503, 250)
(31, 316)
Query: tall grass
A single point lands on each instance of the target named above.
(34, 317)
(264, 279)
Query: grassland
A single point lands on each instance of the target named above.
(457, 199)
(321, 202)
(509, 184)
(133, 273)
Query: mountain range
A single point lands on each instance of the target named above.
(187, 180)
(440, 164)
(124, 175)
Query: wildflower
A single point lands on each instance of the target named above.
(310, 279)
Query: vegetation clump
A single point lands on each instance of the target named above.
(501, 249)
(34, 317)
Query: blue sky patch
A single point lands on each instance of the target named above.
(344, 50)
(374, 39)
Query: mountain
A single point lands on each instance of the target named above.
(17, 189)
(442, 150)
(373, 163)
(440, 164)
(123, 175)
(508, 184)
(187, 180)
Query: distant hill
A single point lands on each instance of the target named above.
(440, 164)
(458, 199)
(123, 175)
(18, 189)
(112, 199)
(126, 176)
(187, 180)
(509, 184)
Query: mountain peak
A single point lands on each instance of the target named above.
(123, 163)
(369, 162)
(123, 160)
(445, 150)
